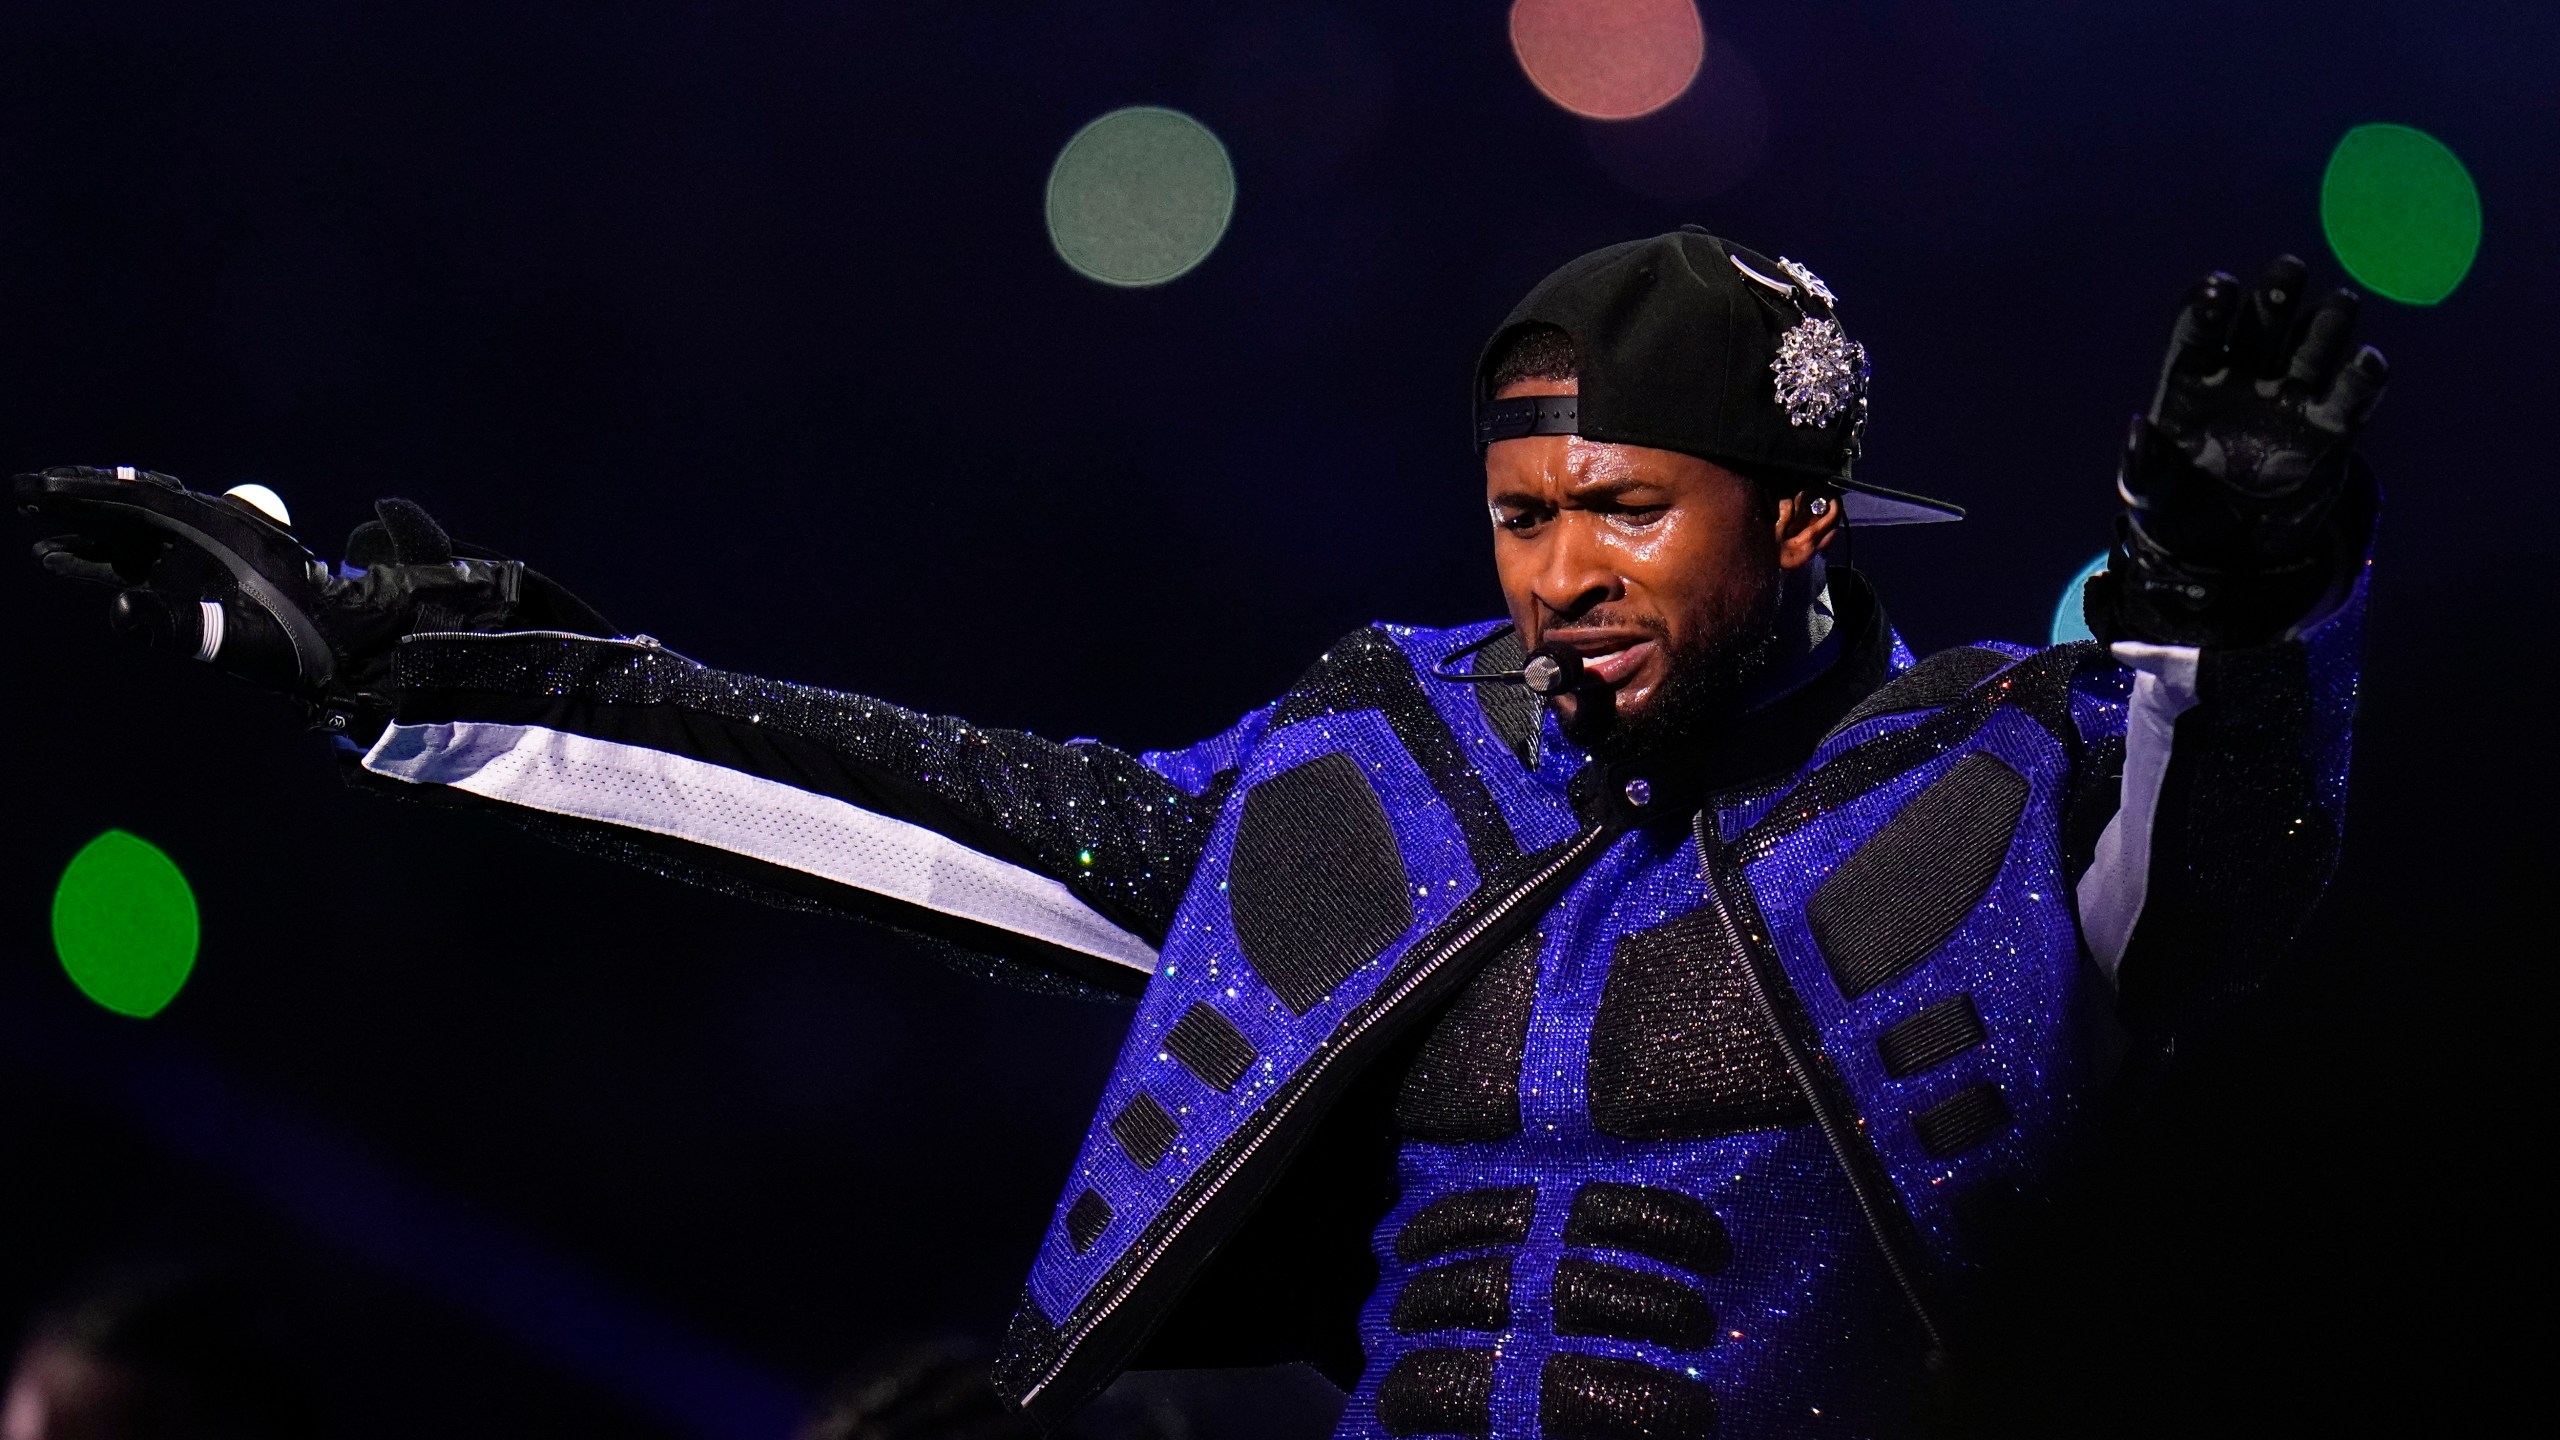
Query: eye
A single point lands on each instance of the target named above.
(1637, 517)
(1518, 519)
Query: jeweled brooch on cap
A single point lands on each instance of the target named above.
(1811, 282)
(1820, 371)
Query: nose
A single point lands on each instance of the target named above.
(1575, 575)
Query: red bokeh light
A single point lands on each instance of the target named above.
(1609, 59)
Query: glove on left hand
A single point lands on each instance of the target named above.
(2245, 502)
(216, 578)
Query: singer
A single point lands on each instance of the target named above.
(1630, 1019)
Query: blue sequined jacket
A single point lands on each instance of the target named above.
(1527, 1096)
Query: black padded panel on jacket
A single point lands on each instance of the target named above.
(1210, 1046)
(1468, 1220)
(1962, 1120)
(1942, 679)
(1470, 1294)
(1592, 1397)
(1086, 1219)
(1929, 1035)
(1144, 1130)
(1678, 1051)
(1510, 709)
(1438, 1392)
(1646, 1220)
(1464, 1084)
(1316, 884)
(1593, 1297)
(1901, 894)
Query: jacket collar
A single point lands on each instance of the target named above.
(1765, 743)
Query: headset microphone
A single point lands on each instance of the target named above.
(1552, 670)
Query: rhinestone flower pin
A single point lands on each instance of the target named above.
(1820, 371)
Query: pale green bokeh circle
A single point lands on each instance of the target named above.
(1140, 196)
(124, 923)
(2401, 212)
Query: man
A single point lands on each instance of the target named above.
(1652, 1061)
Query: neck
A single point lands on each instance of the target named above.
(1806, 642)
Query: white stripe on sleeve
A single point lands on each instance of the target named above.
(665, 794)
(2111, 894)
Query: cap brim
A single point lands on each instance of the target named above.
(1865, 504)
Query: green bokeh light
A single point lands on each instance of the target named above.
(124, 923)
(2401, 212)
(1140, 196)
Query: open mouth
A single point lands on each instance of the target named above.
(1610, 659)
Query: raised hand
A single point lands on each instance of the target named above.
(2245, 502)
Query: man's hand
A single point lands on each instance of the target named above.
(220, 579)
(2246, 505)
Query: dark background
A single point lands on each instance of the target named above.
(742, 319)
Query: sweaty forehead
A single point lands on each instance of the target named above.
(1566, 464)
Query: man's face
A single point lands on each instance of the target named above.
(1662, 569)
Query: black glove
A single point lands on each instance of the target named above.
(217, 578)
(2246, 504)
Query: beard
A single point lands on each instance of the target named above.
(1703, 682)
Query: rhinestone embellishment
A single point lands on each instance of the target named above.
(1820, 372)
(1809, 282)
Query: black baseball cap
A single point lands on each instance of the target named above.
(1691, 343)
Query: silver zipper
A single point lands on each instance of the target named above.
(1595, 835)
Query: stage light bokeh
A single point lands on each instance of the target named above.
(2401, 213)
(124, 924)
(1140, 196)
(1609, 59)
(2069, 623)
(1710, 139)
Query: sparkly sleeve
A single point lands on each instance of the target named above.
(1067, 859)
(2232, 810)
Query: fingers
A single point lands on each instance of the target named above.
(2352, 396)
(2198, 337)
(2326, 328)
(76, 557)
(2262, 332)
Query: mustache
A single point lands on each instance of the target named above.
(1601, 620)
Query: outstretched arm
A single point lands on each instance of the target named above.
(461, 675)
(2234, 596)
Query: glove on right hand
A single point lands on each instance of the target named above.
(217, 578)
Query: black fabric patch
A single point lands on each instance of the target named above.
(1593, 1297)
(1592, 1397)
(1678, 1051)
(1316, 884)
(1929, 1035)
(1465, 1082)
(1210, 1046)
(1144, 1130)
(1468, 1220)
(1365, 671)
(1658, 1224)
(1472, 1294)
(2038, 687)
(1962, 1120)
(1940, 680)
(1085, 1220)
(1902, 893)
(1510, 709)
(1438, 1392)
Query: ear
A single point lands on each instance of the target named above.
(1802, 533)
